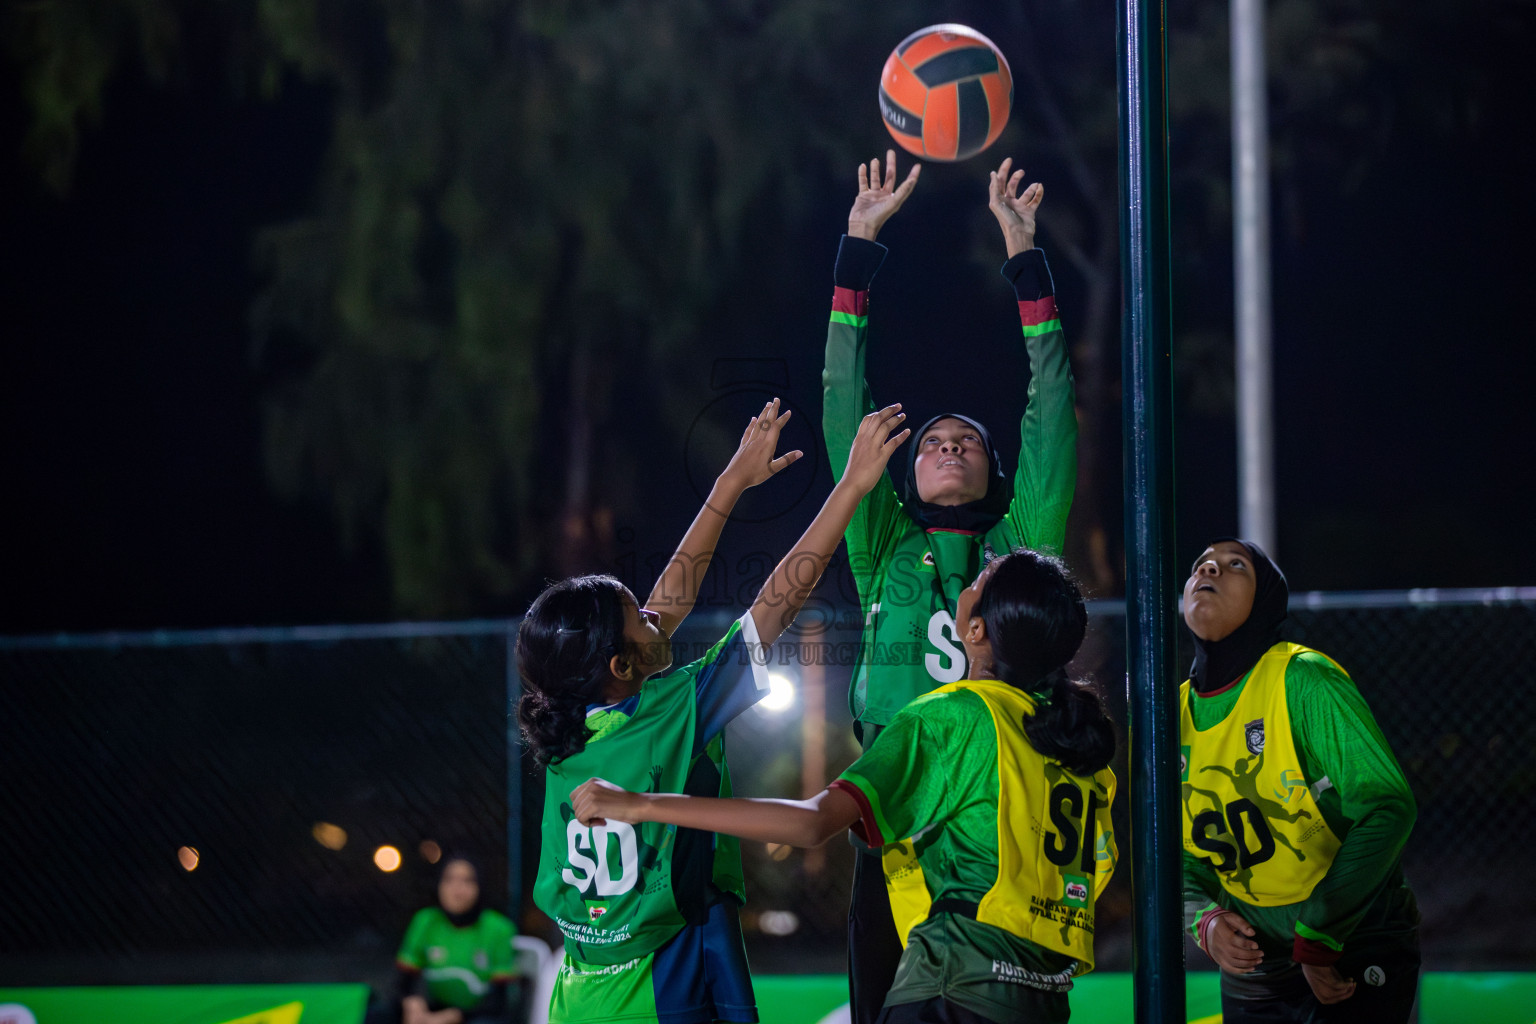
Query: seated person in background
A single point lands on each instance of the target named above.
(456, 961)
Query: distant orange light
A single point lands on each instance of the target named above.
(332, 837)
(430, 851)
(189, 857)
(386, 858)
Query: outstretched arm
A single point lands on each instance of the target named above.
(1015, 213)
(845, 393)
(795, 822)
(1047, 475)
(676, 590)
(786, 589)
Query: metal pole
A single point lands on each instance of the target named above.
(514, 782)
(1250, 243)
(1157, 949)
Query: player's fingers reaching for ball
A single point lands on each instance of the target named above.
(871, 449)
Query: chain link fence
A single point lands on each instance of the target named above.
(212, 806)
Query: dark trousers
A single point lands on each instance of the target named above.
(932, 1011)
(1386, 976)
(873, 945)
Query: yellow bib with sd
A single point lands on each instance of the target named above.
(1248, 811)
(1056, 846)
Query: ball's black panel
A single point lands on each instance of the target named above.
(975, 119)
(952, 65)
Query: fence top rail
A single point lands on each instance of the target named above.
(1097, 607)
(261, 635)
(1418, 597)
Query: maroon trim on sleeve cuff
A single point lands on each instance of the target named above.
(1037, 311)
(1308, 951)
(866, 827)
(846, 300)
(1204, 924)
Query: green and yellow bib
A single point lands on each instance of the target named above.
(1248, 811)
(1056, 846)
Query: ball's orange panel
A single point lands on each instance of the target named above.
(911, 143)
(941, 123)
(902, 86)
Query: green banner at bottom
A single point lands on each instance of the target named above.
(186, 1004)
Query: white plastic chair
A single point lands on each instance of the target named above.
(539, 966)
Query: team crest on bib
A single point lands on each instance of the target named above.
(1375, 976)
(1254, 731)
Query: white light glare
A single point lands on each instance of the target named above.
(781, 693)
(778, 922)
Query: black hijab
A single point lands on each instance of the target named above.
(977, 516)
(1221, 662)
(471, 915)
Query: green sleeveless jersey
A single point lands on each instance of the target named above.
(909, 579)
(457, 964)
(619, 891)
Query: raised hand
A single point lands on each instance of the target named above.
(754, 461)
(875, 203)
(878, 437)
(1015, 213)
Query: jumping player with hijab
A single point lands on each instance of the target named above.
(649, 914)
(1003, 776)
(1295, 813)
(911, 557)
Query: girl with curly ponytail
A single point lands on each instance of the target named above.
(564, 646)
(649, 914)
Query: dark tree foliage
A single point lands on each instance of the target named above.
(530, 208)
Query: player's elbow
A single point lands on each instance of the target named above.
(815, 831)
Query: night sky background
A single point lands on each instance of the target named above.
(131, 458)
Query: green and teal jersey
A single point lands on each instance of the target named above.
(909, 579)
(1303, 810)
(647, 911)
(458, 965)
(1013, 851)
